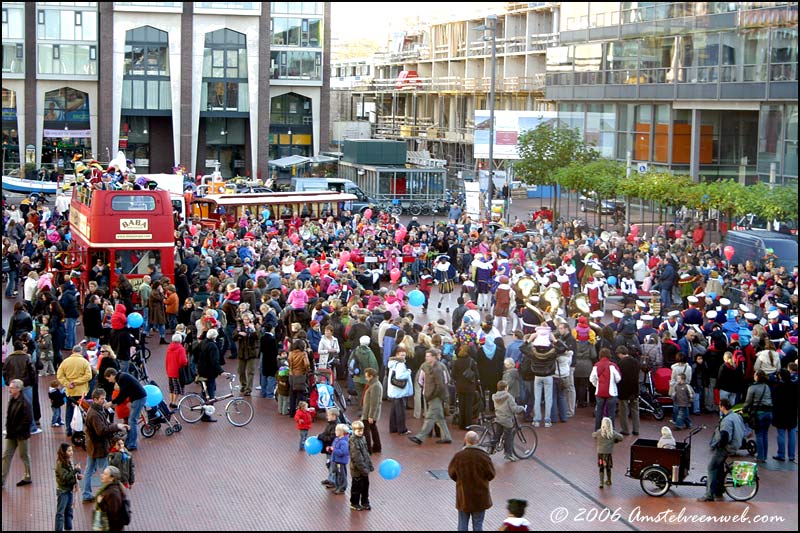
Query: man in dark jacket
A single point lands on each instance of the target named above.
(458, 313)
(98, 439)
(667, 281)
(628, 391)
(208, 366)
(120, 337)
(268, 347)
(93, 320)
(69, 303)
(19, 418)
(129, 389)
(472, 470)
(19, 366)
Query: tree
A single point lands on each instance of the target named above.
(546, 149)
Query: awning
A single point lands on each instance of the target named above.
(290, 161)
(322, 159)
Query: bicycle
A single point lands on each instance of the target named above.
(138, 367)
(525, 438)
(193, 406)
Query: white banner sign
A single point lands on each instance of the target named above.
(473, 199)
(70, 134)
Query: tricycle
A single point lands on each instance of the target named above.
(658, 469)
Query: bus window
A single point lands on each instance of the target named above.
(135, 262)
(133, 203)
(286, 212)
(325, 210)
(306, 211)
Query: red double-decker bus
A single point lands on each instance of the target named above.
(127, 230)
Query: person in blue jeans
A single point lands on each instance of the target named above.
(759, 398)
(784, 415)
(129, 389)
(98, 435)
(67, 476)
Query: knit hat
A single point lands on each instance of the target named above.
(583, 321)
(364, 340)
(314, 323)
(234, 295)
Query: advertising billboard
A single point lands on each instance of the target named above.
(509, 125)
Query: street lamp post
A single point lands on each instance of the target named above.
(291, 151)
(490, 24)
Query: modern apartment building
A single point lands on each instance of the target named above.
(706, 88)
(427, 86)
(166, 82)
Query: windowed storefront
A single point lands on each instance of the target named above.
(10, 131)
(66, 127)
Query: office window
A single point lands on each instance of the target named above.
(146, 68)
(13, 23)
(13, 58)
(225, 72)
(67, 25)
(65, 59)
(296, 65)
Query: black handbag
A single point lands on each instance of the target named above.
(186, 375)
(399, 383)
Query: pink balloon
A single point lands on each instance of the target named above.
(394, 274)
(230, 235)
(368, 213)
(314, 268)
(295, 238)
(344, 257)
(678, 234)
(635, 229)
(193, 230)
(729, 252)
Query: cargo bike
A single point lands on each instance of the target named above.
(659, 469)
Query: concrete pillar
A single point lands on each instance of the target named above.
(262, 148)
(325, 90)
(28, 136)
(105, 81)
(694, 160)
(187, 91)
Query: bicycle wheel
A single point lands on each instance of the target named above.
(525, 441)
(415, 209)
(239, 412)
(740, 493)
(654, 481)
(396, 210)
(485, 440)
(191, 408)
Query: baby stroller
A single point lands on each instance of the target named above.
(154, 417)
(654, 393)
(327, 393)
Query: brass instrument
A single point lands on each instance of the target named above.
(579, 305)
(605, 236)
(525, 287)
(551, 300)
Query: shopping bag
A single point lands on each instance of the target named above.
(77, 420)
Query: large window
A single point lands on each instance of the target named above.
(10, 132)
(225, 72)
(145, 84)
(296, 65)
(67, 25)
(297, 8)
(66, 126)
(77, 59)
(783, 57)
(290, 109)
(135, 262)
(13, 22)
(790, 154)
(296, 32)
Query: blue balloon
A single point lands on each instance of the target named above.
(612, 280)
(154, 395)
(33, 334)
(712, 295)
(215, 314)
(416, 298)
(389, 469)
(313, 445)
(135, 320)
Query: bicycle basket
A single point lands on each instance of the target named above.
(744, 473)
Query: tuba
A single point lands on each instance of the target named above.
(551, 300)
(525, 287)
(579, 305)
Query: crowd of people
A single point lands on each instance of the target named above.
(284, 306)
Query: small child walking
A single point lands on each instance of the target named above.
(57, 400)
(303, 418)
(683, 398)
(282, 392)
(45, 341)
(340, 455)
(327, 437)
(360, 467)
(67, 477)
(120, 457)
(606, 438)
(516, 520)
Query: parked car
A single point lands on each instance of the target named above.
(588, 202)
(752, 245)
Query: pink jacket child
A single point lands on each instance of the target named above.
(297, 299)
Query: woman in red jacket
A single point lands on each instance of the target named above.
(176, 359)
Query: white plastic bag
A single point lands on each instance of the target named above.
(77, 420)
